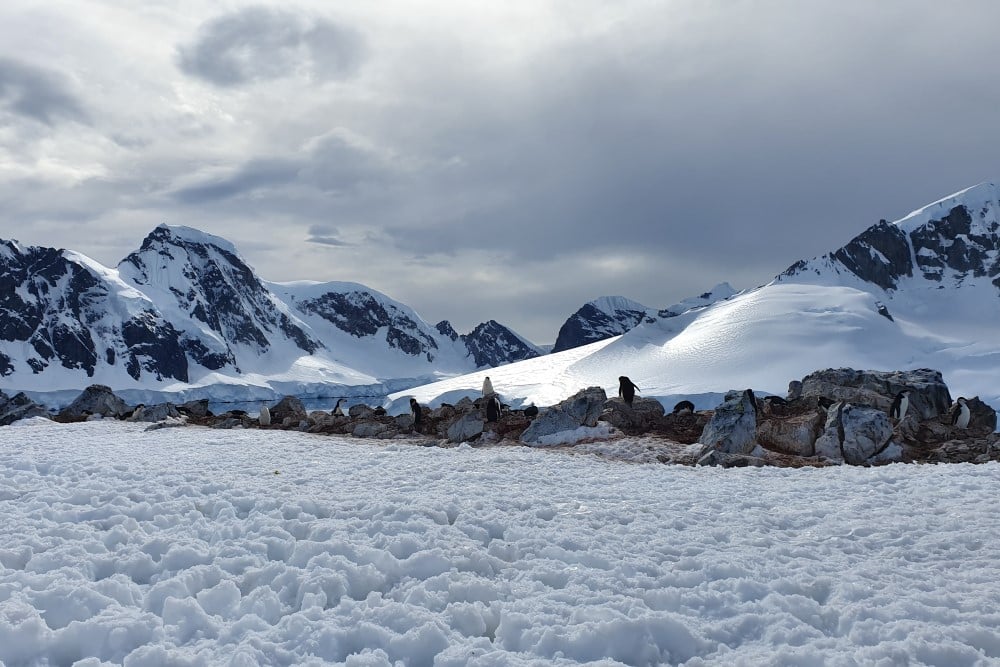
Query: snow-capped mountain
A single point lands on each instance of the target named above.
(923, 291)
(614, 315)
(185, 310)
(599, 319)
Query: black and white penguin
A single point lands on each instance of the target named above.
(264, 419)
(137, 413)
(684, 407)
(897, 411)
(336, 409)
(487, 386)
(531, 411)
(417, 414)
(492, 408)
(626, 389)
(960, 414)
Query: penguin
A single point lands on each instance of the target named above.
(487, 386)
(417, 414)
(531, 411)
(492, 408)
(264, 419)
(960, 414)
(685, 407)
(899, 405)
(626, 390)
(336, 409)
(137, 413)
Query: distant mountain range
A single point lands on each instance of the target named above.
(923, 291)
(186, 310)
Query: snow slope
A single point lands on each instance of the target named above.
(934, 303)
(198, 547)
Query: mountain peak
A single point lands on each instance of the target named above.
(977, 197)
(165, 233)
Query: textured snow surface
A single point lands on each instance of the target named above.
(198, 547)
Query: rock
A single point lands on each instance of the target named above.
(360, 411)
(97, 399)
(795, 434)
(155, 413)
(288, 407)
(982, 418)
(547, 423)
(464, 405)
(369, 429)
(733, 427)
(467, 427)
(197, 409)
(19, 407)
(581, 409)
(714, 457)
(229, 422)
(854, 434)
(404, 422)
(640, 418)
(170, 422)
(929, 395)
(794, 390)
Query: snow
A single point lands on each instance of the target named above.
(199, 547)
(762, 339)
(612, 305)
(982, 196)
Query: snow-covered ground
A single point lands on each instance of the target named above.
(200, 547)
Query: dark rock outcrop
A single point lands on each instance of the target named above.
(97, 399)
(19, 407)
(493, 344)
(582, 409)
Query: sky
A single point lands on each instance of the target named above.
(493, 160)
(191, 546)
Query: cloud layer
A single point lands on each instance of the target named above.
(494, 160)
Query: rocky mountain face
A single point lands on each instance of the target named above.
(949, 243)
(614, 315)
(186, 304)
(491, 341)
(599, 319)
(59, 309)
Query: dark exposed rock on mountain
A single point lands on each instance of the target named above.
(211, 284)
(599, 319)
(97, 399)
(360, 314)
(491, 342)
(19, 407)
(951, 241)
(186, 304)
(71, 313)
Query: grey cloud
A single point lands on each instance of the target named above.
(38, 93)
(326, 235)
(259, 44)
(254, 175)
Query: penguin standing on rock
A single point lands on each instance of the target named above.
(960, 414)
(264, 419)
(492, 408)
(417, 414)
(899, 406)
(487, 386)
(336, 409)
(626, 390)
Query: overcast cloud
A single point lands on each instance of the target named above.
(508, 160)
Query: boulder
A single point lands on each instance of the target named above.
(733, 427)
(360, 411)
(640, 418)
(154, 413)
(97, 399)
(369, 429)
(19, 407)
(794, 434)
(197, 409)
(854, 434)
(581, 409)
(982, 418)
(929, 395)
(288, 407)
(467, 427)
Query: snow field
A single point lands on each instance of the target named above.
(199, 547)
